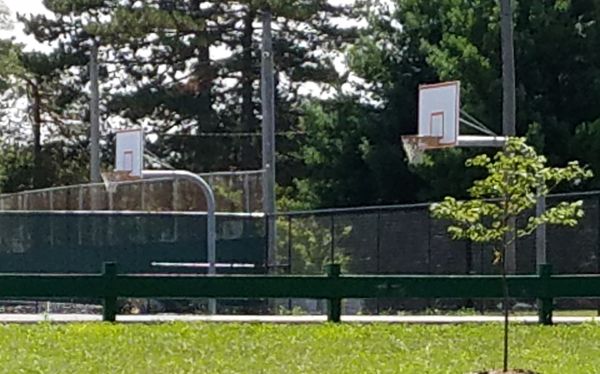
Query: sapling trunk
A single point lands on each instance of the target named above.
(503, 264)
(505, 309)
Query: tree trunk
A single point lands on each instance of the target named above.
(504, 268)
(505, 309)
(249, 153)
(204, 95)
(36, 109)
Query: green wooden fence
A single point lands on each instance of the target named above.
(333, 287)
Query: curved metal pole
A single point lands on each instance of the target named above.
(210, 207)
(211, 227)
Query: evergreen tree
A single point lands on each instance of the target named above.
(53, 102)
(160, 54)
(413, 42)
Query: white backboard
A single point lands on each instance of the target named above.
(439, 111)
(130, 152)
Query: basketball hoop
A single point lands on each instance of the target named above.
(416, 145)
(439, 117)
(112, 178)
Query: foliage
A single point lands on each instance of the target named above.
(61, 165)
(16, 166)
(291, 348)
(159, 69)
(351, 157)
(409, 42)
(585, 146)
(228, 198)
(439, 172)
(55, 107)
(309, 241)
(517, 175)
(162, 72)
(461, 41)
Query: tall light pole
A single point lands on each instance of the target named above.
(268, 132)
(95, 176)
(508, 105)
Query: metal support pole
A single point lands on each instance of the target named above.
(378, 253)
(143, 196)
(332, 234)
(540, 233)
(334, 305)
(175, 196)
(289, 245)
(80, 208)
(109, 304)
(508, 105)
(508, 69)
(545, 302)
(246, 195)
(598, 245)
(289, 254)
(95, 176)
(268, 131)
(211, 227)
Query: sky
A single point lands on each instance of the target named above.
(36, 7)
(24, 7)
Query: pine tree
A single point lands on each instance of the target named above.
(160, 52)
(53, 102)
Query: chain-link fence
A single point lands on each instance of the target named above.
(237, 191)
(406, 240)
(234, 192)
(79, 242)
(76, 228)
(139, 242)
(374, 240)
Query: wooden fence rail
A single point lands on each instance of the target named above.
(333, 287)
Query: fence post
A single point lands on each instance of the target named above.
(545, 301)
(109, 304)
(334, 305)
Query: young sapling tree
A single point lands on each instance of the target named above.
(516, 177)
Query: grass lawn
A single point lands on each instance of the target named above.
(261, 348)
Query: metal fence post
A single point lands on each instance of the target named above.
(246, 194)
(109, 309)
(378, 254)
(289, 254)
(598, 245)
(545, 301)
(143, 196)
(267, 241)
(289, 246)
(334, 305)
(332, 234)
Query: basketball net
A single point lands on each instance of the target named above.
(416, 145)
(112, 178)
(414, 153)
